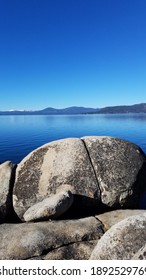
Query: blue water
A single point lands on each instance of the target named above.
(19, 135)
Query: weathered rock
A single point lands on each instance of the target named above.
(50, 208)
(140, 254)
(76, 251)
(122, 240)
(118, 165)
(104, 171)
(28, 240)
(111, 218)
(6, 170)
(46, 168)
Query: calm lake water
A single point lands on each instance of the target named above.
(19, 135)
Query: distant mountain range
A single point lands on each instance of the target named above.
(137, 108)
(124, 109)
(52, 111)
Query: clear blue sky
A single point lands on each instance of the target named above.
(61, 53)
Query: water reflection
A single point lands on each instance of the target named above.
(135, 117)
(21, 134)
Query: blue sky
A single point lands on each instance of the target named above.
(61, 53)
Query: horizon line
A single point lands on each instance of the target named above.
(75, 106)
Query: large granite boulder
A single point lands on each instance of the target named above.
(119, 168)
(41, 173)
(30, 240)
(123, 240)
(104, 171)
(6, 184)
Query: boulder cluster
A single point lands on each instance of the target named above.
(75, 198)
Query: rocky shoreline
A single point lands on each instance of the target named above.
(75, 198)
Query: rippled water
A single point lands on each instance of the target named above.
(19, 135)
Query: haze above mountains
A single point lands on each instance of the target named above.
(123, 109)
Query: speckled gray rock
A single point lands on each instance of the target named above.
(113, 217)
(122, 240)
(102, 170)
(117, 164)
(28, 240)
(6, 170)
(76, 251)
(140, 254)
(50, 208)
(41, 173)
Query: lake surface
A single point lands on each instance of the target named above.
(19, 135)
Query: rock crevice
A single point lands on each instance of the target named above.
(98, 191)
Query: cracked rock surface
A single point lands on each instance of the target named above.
(41, 173)
(117, 164)
(111, 218)
(27, 240)
(104, 171)
(76, 251)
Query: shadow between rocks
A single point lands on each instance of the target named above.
(11, 216)
(141, 187)
(84, 206)
(138, 198)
